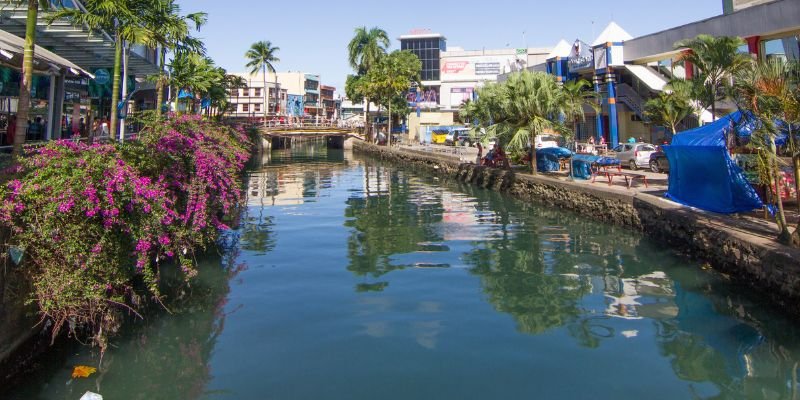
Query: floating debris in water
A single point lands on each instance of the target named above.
(82, 371)
(430, 265)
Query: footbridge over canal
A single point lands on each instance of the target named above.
(282, 137)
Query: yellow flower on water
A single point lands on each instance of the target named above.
(82, 371)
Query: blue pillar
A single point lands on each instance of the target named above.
(613, 134)
(599, 116)
(559, 72)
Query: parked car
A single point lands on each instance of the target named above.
(458, 136)
(634, 155)
(547, 140)
(659, 162)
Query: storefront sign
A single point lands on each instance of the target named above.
(454, 67)
(580, 57)
(487, 68)
(102, 77)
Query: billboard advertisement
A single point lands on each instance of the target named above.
(477, 68)
(425, 98)
(459, 95)
(580, 57)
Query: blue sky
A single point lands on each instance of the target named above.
(313, 34)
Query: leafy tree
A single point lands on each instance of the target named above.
(764, 90)
(534, 105)
(577, 95)
(194, 74)
(717, 59)
(391, 77)
(170, 32)
(364, 51)
(262, 56)
(671, 106)
(123, 18)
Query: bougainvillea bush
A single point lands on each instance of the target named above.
(96, 222)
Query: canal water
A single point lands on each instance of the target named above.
(350, 278)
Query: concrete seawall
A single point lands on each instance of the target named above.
(724, 242)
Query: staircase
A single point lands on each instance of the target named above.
(627, 95)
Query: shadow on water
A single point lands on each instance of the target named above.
(551, 270)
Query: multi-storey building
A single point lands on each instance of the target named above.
(290, 94)
(328, 101)
(627, 71)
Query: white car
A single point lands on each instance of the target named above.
(546, 140)
(634, 155)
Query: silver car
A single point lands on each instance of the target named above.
(634, 155)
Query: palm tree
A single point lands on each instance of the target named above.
(577, 95)
(765, 91)
(261, 56)
(364, 51)
(535, 103)
(171, 32)
(717, 59)
(24, 105)
(122, 18)
(194, 74)
(671, 106)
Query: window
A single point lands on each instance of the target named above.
(245, 107)
(245, 92)
(785, 48)
(257, 107)
(257, 92)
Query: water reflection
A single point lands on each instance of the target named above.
(164, 357)
(551, 270)
(371, 280)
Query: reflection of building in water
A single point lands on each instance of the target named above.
(646, 296)
(284, 186)
(269, 187)
(460, 217)
(377, 180)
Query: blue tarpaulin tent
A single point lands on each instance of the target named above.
(547, 158)
(702, 173)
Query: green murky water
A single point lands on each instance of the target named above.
(366, 280)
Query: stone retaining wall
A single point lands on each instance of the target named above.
(718, 240)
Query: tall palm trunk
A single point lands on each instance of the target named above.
(389, 132)
(796, 166)
(124, 100)
(266, 98)
(533, 155)
(367, 124)
(24, 106)
(115, 89)
(713, 104)
(160, 84)
(775, 179)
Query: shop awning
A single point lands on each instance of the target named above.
(12, 51)
(649, 77)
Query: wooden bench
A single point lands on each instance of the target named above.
(629, 177)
